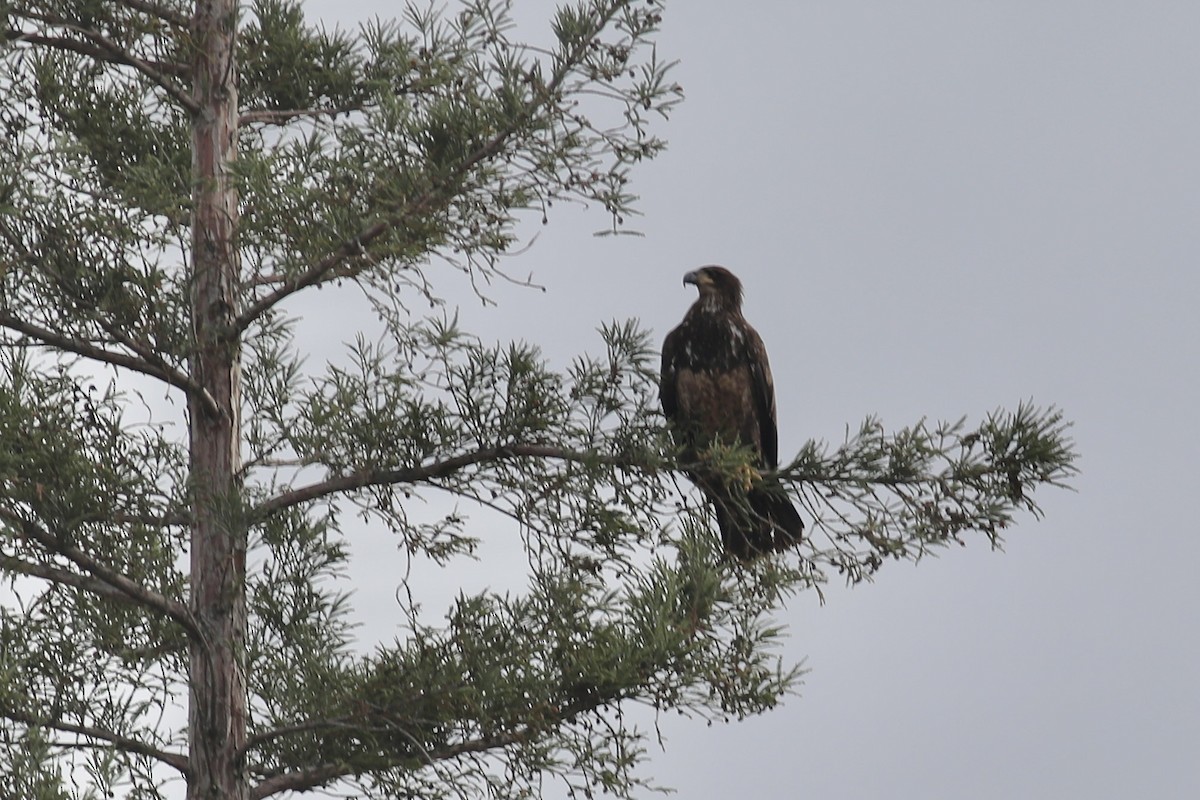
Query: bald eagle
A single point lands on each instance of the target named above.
(716, 387)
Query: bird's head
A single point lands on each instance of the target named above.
(716, 284)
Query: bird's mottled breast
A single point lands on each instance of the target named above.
(713, 381)
(710, 343)
(717, 405)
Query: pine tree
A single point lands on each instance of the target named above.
(178, 175)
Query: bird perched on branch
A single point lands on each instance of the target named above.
(716, 389)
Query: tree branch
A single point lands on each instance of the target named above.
(278, 116)
(148, 361)
(162, 371)
(104, 49)
(436, 469)
(123, 743)
(150, 9)
(300, 780)
(358, 245)
(86, 49)
(167, 520)
(794, 473)
(61, 576)
(120, 583)
(315, 274)
(311, 777)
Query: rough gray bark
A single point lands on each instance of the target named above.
(217, 700)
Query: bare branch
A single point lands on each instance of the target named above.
(126, 586)
(162, 371)
(123, 743)
(167, 520)
(279, 116)
(300, 780)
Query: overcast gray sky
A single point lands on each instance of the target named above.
(939, 208)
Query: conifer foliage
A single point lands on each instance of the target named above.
(179, 486)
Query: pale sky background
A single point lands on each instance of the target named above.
(937, 208)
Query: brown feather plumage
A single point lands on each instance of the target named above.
(716, 389)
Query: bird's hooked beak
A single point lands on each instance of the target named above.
(692, 277)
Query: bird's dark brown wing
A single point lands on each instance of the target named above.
(668, 386)
(764, 398)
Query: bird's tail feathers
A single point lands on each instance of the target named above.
(760, 521)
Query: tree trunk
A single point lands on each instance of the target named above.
(217, 697)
